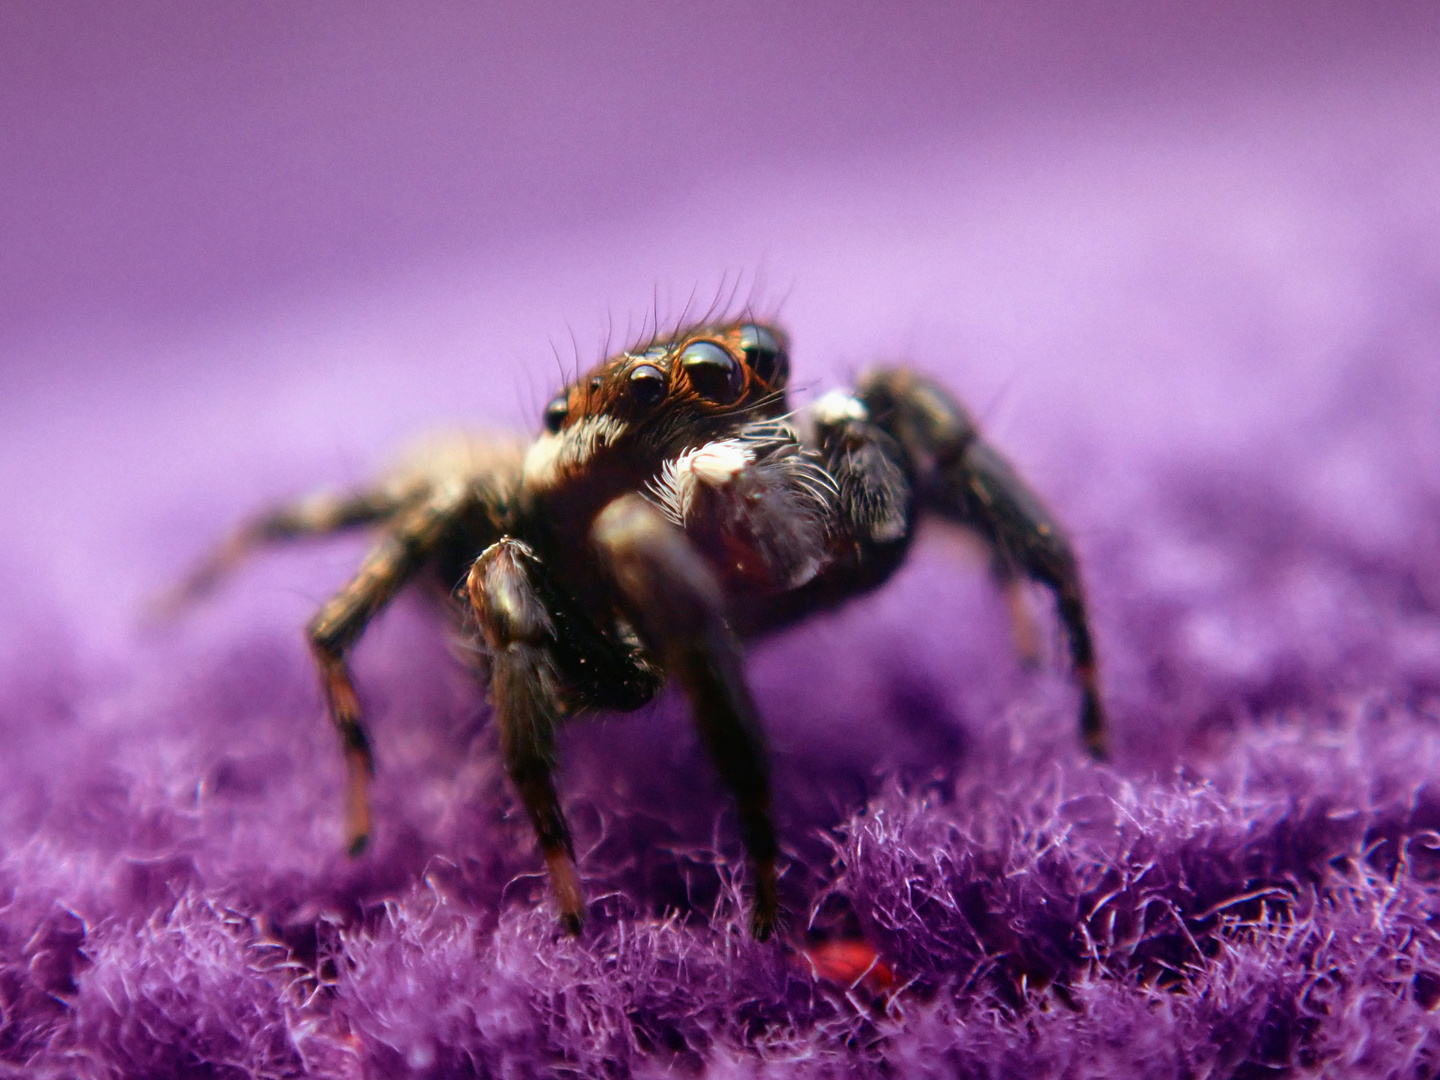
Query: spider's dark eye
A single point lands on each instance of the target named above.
(647, 384)
(555, 414)
(713, 372)
(764, 353)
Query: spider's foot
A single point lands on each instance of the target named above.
(762, 925)
(766, 911)
(1097, 746)
(1093, 727)
(565, 884)
(357, 802)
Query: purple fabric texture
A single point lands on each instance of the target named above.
(1184, 265)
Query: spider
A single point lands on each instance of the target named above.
(672, 508)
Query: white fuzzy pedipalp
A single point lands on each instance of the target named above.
(552, 455)
(713, 464)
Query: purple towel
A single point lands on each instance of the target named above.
(1185, 268)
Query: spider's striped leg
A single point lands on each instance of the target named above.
(960, 476)
(672, 595)
(402, 552)
(525, 690)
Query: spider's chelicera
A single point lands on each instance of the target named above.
(672, 508)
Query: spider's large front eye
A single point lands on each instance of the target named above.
(713, 372)
(647, 385)
(555, 414)
(764, 353)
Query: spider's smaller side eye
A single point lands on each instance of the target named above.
(764, 353)
(555, 414)
(713, 372)
(647, 385)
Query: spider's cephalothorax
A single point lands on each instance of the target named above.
(672, 507)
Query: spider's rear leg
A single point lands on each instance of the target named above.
(320, 514)
(525, 690)
(961, 477)
(673, 596)
(410, 542)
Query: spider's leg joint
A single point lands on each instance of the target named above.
(526, 692)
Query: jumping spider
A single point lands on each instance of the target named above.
(673, 507)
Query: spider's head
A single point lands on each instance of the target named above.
(674, 393)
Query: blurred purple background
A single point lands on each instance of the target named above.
(1182, 259)
(252, 239)
(333, 210)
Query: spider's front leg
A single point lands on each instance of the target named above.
(960, 476)
(675, 600)
(408, 545)
(321, 514)
(525, 690)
